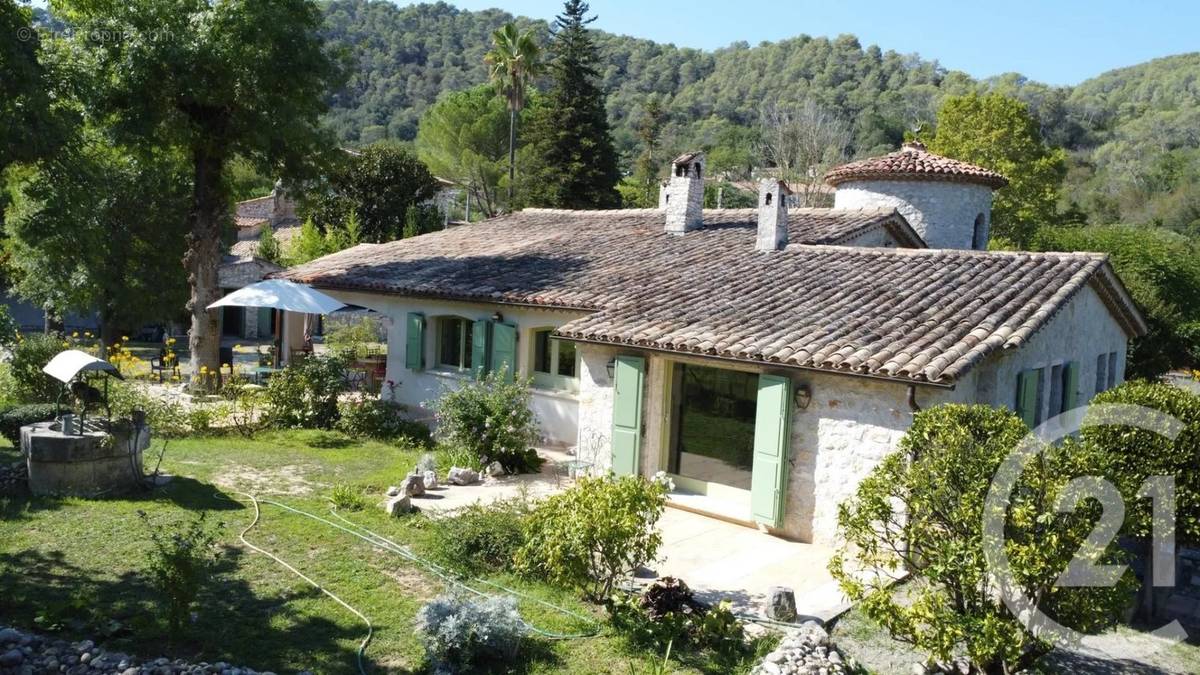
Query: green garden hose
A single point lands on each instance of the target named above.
(379, 541)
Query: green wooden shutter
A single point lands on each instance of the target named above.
(1027, 386)
(504, 350)
(772, 436)
(627, 414)
(479, 348)
(414, 352)
(1071, 386)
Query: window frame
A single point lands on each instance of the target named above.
(465, 327)
(552, 380)
(1101, 373)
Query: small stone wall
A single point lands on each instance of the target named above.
(82, 465)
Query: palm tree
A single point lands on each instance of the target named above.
(515, 59)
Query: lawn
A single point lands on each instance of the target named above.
(75, 565)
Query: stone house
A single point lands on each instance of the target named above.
(767, 358)
(242, 266)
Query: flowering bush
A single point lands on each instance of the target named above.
(595, 533)
(29, 356)
(492, 420)
(466, 634)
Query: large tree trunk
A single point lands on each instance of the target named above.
(202, 260)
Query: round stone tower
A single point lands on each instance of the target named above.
(948, 202)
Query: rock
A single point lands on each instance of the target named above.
(398, 505)
(132, 670)
(413, 486)
(431, 480)
(495, 469)
(461, 476)
(781, 604)
(9, 636)
(392, 491)
(12, 658)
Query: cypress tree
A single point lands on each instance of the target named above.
(570, 149)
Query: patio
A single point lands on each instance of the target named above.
(719, 560)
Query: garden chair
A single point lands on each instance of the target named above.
(161, 365)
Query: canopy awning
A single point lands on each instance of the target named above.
(66, 365)
(281, 294)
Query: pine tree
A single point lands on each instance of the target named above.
(570, 150)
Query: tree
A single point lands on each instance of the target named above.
(29, 128)
(999, 133)
(214, 81)
(268, 246)
(802, 140)
(1162, 271)
(101, 229)
(461, 137)
(647, 168)
(515, 59)
(569, 140)
(921, 510)
(376, 185)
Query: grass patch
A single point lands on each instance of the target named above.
(76, 566)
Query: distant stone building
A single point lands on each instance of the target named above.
(242, 266)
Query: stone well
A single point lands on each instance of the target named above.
(88, 464)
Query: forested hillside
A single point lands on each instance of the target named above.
(1133, 133)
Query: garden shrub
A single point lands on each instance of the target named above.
(347, 498)
(180, 561)
(595, 533)
(922, 510)
(479, 538)
(29, 356)
(13, 419)
(353, 335)
(369, 417)
(463, 634)
(1130, 455)
(8, 386)
(305, 394)
(492, 419)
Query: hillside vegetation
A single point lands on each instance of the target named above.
(1133, 134)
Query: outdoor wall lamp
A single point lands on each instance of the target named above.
(498, 317)
(611, 367)
(803, 396)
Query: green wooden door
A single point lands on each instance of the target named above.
(627, 414)
(504, 350)
(414, 341)
(1028, 382)
(1071, 383)
(772, 436)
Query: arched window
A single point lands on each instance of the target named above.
(979, 238)
(768, 200)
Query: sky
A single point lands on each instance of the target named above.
(1060, 42)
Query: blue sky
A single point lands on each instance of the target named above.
(1053, 41)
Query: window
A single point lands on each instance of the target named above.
(454, 342)
(979, 236)
(555, 362)
(1101, 373)
(714, 421)
(1112, 369)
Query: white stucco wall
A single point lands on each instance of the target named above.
(557, 411)
(943, 213)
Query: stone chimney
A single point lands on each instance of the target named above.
(683, 196)
(772, 215)
(283, 207)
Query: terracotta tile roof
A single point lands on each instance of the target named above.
(914, 162)
(253, 211)
(915, 315)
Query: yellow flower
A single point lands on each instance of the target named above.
(66, 344)
(125, 338)
(237, 347)
(75, 334)
(224, 365)
(170, 341)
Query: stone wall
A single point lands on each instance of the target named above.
(943, 213)
(1083, 330)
